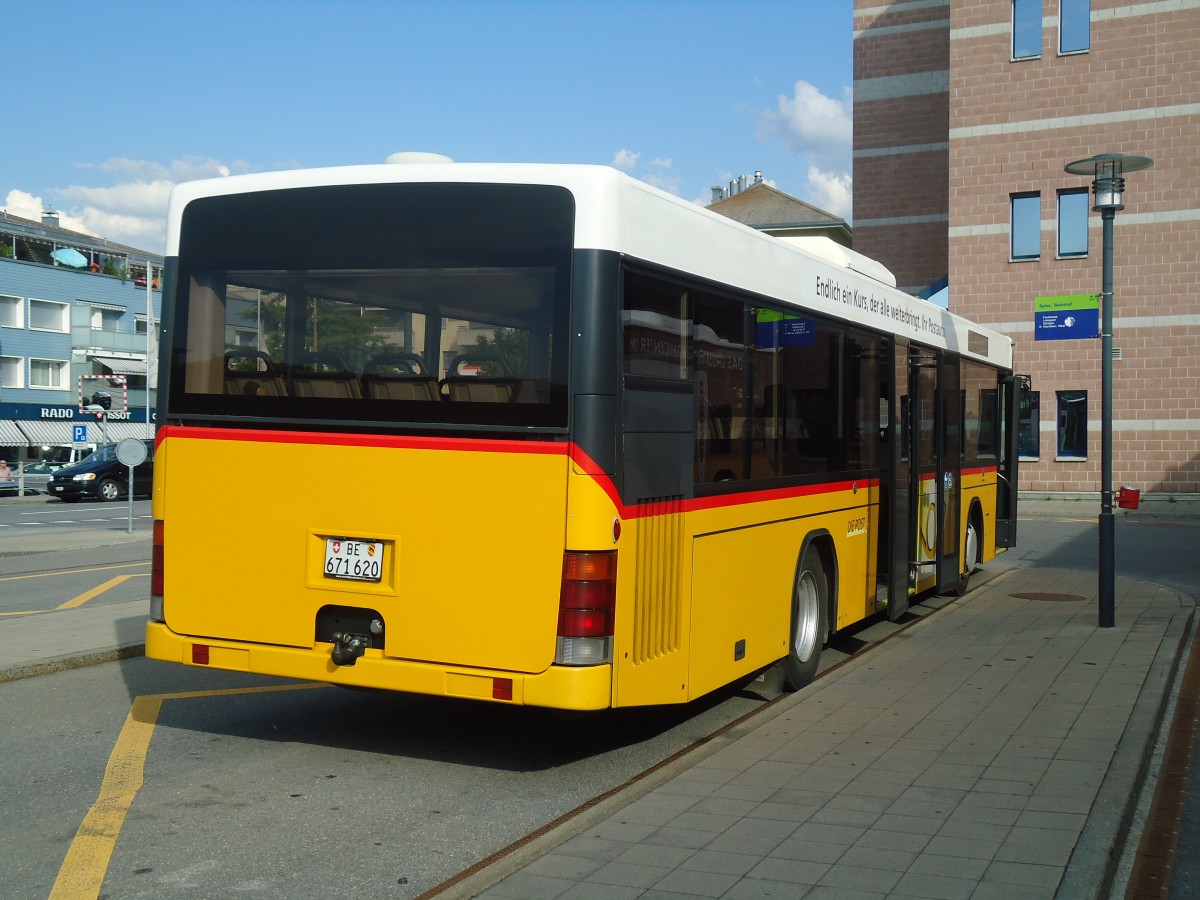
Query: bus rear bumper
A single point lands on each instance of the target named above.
(559, 687)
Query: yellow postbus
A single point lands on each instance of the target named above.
(547, 435)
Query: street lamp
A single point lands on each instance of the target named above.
(1108, 183)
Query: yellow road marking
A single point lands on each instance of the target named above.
(82, 872)
(72, 571)
(82, 598)
(94, 592)
(97, 591)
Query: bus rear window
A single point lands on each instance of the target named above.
(420, 324)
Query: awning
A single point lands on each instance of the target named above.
(122, 366)
(39, 432)
(10, 433)
(34, 433)
(118, 431)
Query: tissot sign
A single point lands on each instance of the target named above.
(46, 413)
(1066, 317)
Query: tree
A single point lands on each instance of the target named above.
(511, 345)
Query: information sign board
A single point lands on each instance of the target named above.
(1066, 317)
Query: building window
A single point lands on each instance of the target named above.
(49, 374)
(105, 319)
(1029, 427)
(10, 312)
(47, 315)
(1073, 222)
(1027, 29)
(11, 371)
(1026, 226)
(1074, 26)
(1072, 424)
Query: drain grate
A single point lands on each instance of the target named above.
(1049, 598)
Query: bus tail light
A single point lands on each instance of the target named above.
(586, 608)
(156, 573)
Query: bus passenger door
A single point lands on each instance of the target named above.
(896, 492)
(1014, 391)
(933, 475)
(949, 449)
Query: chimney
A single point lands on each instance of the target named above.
(50, 218)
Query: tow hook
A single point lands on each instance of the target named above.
(347, 648)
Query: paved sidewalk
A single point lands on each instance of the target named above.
(995, 749)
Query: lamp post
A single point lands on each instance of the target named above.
(1108, 183)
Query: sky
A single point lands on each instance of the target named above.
(110, 105)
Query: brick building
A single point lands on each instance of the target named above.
(965, 113)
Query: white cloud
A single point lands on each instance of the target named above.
(812, 124)
(625, 160)
(819, 129)
(133, 210)
(25, 205)
(830, 191)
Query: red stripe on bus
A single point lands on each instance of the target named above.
(319, 438)
(982, 470)
(785, 493)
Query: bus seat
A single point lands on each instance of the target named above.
(478, 378)
(251, 373)
(531, 390)
(324, 374)
(478, 390)
(398, 376)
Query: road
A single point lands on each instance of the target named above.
(262, 786)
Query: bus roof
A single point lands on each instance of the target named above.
(619, 213)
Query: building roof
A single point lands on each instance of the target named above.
(46, 231)
(770, 209)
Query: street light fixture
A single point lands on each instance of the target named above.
(1108, 184)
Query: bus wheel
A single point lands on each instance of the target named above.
(810, 611)
(970, 555)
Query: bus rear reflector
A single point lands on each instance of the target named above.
(156, 560)
(200, 654)
(501, 688)
(586, 608)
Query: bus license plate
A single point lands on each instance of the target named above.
(353, 560)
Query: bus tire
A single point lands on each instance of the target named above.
(970, 552)
(810, 617)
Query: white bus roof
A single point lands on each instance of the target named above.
(619, 213)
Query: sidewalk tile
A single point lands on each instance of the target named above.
(934, 887)
(693, 884)
(795, 871)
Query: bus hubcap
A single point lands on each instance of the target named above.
(805, 639)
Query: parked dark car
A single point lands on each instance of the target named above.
(102, 477)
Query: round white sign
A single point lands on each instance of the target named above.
(131, 452)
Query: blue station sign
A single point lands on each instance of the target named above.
(1067, 317)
